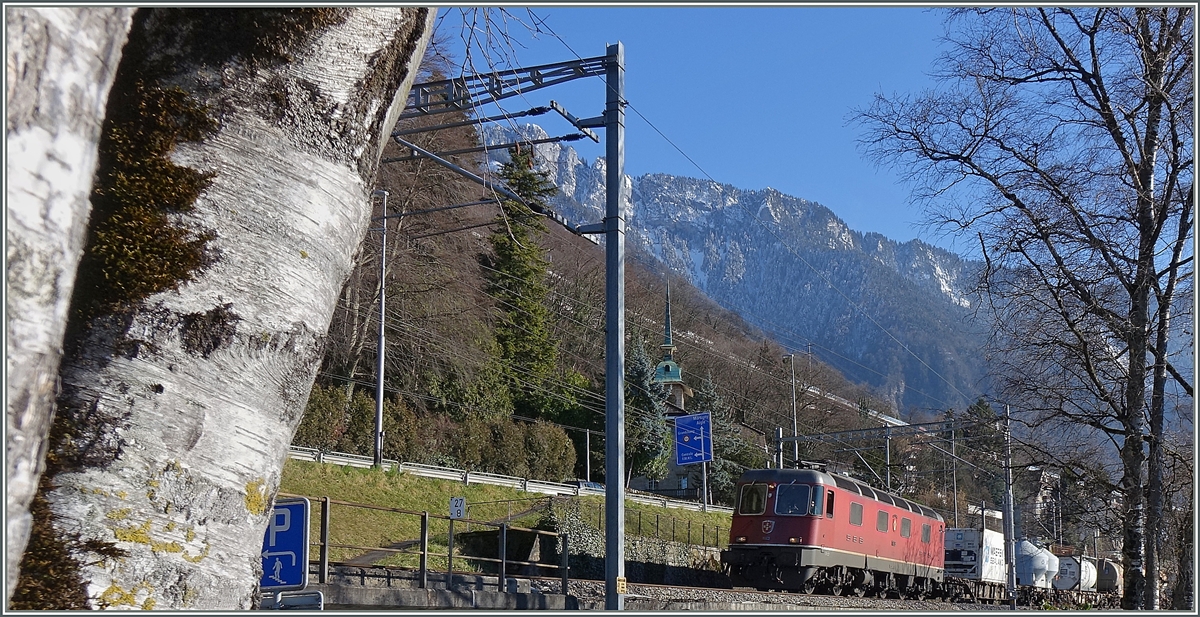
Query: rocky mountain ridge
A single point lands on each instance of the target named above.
(894, 315)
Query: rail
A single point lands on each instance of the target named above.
(467, 477)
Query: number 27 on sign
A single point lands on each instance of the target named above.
(458, 507)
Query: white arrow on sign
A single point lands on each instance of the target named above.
(268, 555)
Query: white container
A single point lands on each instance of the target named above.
(974, 558)
(1076, 573)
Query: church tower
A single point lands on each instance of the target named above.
(668, 372)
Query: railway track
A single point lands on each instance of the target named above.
(644, 596)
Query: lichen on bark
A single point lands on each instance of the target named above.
(182, 392)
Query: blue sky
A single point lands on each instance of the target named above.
(755, 96)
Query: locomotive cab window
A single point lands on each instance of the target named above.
(829, 504)
(818, 500)
(881, 521)
(856, 512)
(925, 529)
(753, 499)
(792, 499)
(905, 527)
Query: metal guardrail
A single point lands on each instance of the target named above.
(467, 477)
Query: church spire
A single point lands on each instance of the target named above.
(668, 372)
(668, 347)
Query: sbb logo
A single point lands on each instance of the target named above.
(854, 539)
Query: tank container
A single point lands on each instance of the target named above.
(1111, 576)
(1075, 572)
(1036, 566)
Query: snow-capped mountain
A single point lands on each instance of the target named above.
(889, 314)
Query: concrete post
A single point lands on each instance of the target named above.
(1009, 530)
(887, 455)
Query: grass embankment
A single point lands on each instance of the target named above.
(366, 528)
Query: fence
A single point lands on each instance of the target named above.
(370, 535)
(666, 527)
(467, 477)
(417, 553)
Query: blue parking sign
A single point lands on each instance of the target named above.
(693, 439)
(285, 547)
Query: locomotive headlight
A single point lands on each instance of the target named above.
(795, 540)
(740, 539)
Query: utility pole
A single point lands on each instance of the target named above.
(613, 228)
(954, 473)
(887, 455)
(467, 92)
(614, 319)
(1009, 530)
(791, 358)
(380, 352)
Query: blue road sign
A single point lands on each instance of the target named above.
(693, 439)
(285, 547)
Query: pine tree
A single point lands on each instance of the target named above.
(647, 438)
(518, 281)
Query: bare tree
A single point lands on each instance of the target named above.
(1179, 516)
(1062, 140)
(237, 156)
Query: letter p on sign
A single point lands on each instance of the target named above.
(281, 521)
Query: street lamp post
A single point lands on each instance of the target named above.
(791, 358)
(380, 351)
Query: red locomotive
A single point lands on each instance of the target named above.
(811, 531)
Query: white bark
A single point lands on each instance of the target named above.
(60, 64)
(191, 428)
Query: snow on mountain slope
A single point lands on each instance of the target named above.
(893, 315)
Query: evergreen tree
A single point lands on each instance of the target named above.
(324, 421)
(647, 438)
(549, 451)
(518, 281)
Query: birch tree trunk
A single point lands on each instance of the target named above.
(60, 66)
(180, 408)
